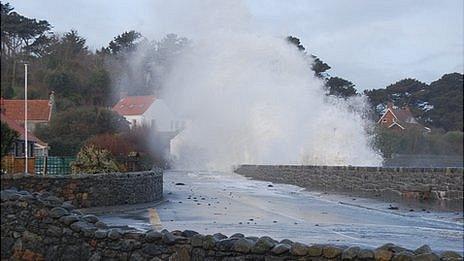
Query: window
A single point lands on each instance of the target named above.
(153, 124)
(172, 125)
(134, 122)
(384, 120)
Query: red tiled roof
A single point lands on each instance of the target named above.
(20, 130)
(37, 110)
(404, 115)
(134, 105)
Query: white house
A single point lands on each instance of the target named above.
(148, 111)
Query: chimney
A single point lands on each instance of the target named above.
(51, 99)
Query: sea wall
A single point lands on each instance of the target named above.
(442, 186)
(92, 190)
(40, 226)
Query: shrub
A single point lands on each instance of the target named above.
(92, 160)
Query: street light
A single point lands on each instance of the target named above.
(25, 118)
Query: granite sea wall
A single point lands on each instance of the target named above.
(40, 226)
(93, 190)
(438, 186)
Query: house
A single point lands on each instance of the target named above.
(35, 147)
(38, 111)
(148, 111)
(396, 118)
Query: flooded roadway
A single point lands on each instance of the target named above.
(212, 202)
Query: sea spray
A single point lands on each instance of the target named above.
(250, 97)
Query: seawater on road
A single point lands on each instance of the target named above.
(213, 202)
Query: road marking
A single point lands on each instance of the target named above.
(154, 218)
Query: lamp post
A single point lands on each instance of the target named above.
(25, 119)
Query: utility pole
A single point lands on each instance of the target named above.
(25, 119)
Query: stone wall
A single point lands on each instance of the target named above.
(40, 226)
(443, 186)
(92, 190)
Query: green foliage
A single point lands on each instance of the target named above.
(8, 138)
(416, 141)
(68, 130)
(340, 87)
(92, 160)
(126, 41)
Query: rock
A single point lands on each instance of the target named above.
(189, 233)
(350, 253)
(299, 249)
(129, 245)
(99, 234)
(76, 212)
(54, 231)
(332, 251)
(101, 225)
(52, 201)
(114, 234)
(280, 248)
(169, 239)
(426, 257)
(450, 255)
(209, 242)
(238, 235)
(219, 236)
(226, 244)
(197, 240)
(242, 245)
(252, 238)
(263, 245)
(287, 241)
(403, 256)
(90, 218)
(315, 250)
(68, 206)
(423, 250)
(95, 257)
(154, 249)
(58, 212)
(153, 236)
(366, 254)
(68, 220)
(383, 255)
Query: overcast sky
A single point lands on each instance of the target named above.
(371, 42)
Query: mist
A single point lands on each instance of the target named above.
(250, 97)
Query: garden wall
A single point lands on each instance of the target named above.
(92, 190)
(443, 186)
(39, 226)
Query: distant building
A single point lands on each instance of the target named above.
(399, 119)
(38, 111)
(36, 147)
(148, 111)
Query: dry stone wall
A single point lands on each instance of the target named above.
(40, 226)
(92, 190)
(443, 186)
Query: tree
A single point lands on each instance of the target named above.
(124, 42)
(436, 105)
(68, 130)
(9, 136)
(340, 87)
(318, 66)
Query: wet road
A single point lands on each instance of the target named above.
(229, 203)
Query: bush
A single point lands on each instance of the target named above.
(92, 160)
